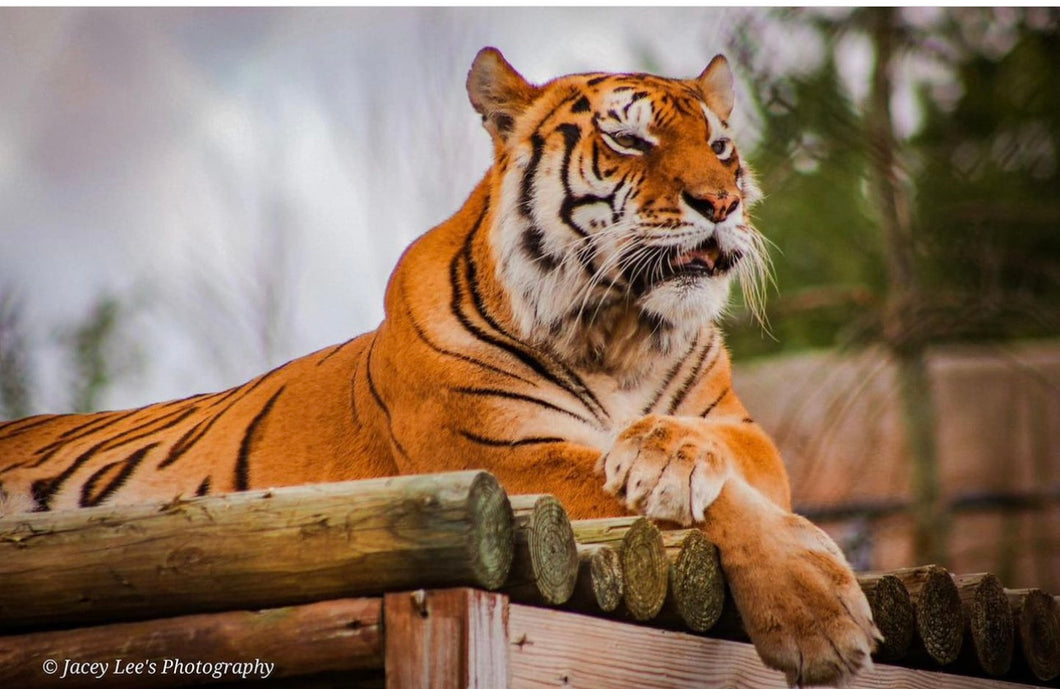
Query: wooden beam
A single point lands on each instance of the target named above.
(338, 635)
(455, 638)
(254, 549)
(550, 648)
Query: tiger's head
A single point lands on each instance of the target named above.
(621, 205)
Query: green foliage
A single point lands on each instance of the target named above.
(15, 375)
(982, 179)
(988, 194)
(91, 345)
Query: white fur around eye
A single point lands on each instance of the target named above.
(722, 147)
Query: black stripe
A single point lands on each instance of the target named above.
(494, 392)
(534, 245)
(516, 442)
(130, 462)
(422, 334)
(9, 429)
(199, 430)
(537, 144)
(596, 161)
(526, 186)
(379, 399)
(335, 350)
(189, 439)
(639, 95)
(512, 345)
(597, 80)
(250, 438)
(204, 487)
(44, 489)
(696, 374)
(90, 426)
(710, 408)
(582, 105)
(668, 378)
(571, 136)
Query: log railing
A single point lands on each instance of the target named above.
(467, 581)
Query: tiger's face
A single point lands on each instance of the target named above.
(622, 202)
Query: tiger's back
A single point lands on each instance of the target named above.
(291, 425)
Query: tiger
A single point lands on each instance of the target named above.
(560, 330)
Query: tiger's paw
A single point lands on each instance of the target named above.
(800, 603)
(666, 468)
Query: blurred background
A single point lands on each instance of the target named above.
(190, 197)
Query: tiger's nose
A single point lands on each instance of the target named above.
(713, 207)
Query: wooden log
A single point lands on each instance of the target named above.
(988, 622)
(545, 564)
(253, 549)
(338, 635)
(645, 567)
(937, 608)
(447, 638)
(608, 531)
(892, 610)
(600, 584)
(697, 585)
(1036, 617)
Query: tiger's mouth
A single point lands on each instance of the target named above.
(705, 260)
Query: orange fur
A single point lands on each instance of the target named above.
(558, 331)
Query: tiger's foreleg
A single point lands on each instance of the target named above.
(799, 600)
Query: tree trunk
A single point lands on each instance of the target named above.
(902, 333)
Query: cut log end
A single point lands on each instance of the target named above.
(545, 549)
(605, 575)
(646, 570)
(937, 607)
(697, 584)
(1037, 620)
(892, 610)
(490, 543)
(989, 619)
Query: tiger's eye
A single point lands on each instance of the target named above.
(631, 141)
(720, 146)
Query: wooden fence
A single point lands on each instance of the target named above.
(442, 581)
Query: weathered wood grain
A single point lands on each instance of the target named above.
(253, 550)
(892, 610)
(446, 638)
(1036, 617)
(545, 565)
(937, 607)
(988, 622)
(339, 635)
(554, 650)
(600, 583)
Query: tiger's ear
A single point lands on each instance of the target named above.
(716, 85)
(498, 92)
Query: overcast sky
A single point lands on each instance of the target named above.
(245, 180)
